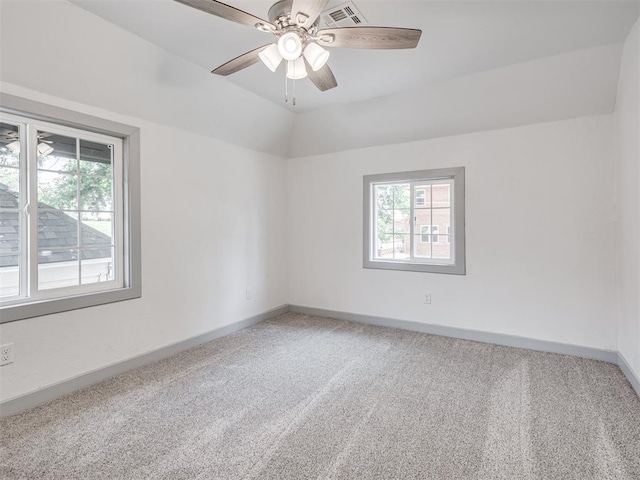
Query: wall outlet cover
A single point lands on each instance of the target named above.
(6, 354)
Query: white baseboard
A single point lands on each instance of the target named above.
(65, 387)
(632, 376)
(610, 356)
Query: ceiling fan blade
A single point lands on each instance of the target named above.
(323, 78)
(243, 61)
(369, 37)
(306, 12)
(227, 12)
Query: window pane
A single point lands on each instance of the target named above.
(96, 229)
(422, 246)
(9, 146)
(401, 196)
(442, 249)
(384, 221)
(57, 190)
(441, 220)
(10, 218)
(58, 268)
(423, 200)
(435, 238)
(384, 197)
(384, 246)
(402, 221)
(9, 188)
(401, 247)
(425, 231)
(56, 152)
(97, 265)
(9, 275)
(95, 193)
(441, 195)
(95, 158)
(423, 217)
(57, 229)
(9, 231)
(54, 162)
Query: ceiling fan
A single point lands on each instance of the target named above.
(300, 43)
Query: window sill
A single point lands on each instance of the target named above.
(11, 313)
(415, 267)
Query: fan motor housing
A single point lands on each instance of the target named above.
(280, 10)
(280, 15)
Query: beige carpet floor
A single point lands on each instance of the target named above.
(302, 397)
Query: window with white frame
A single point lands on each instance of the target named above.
(405, 214)
(68, 236)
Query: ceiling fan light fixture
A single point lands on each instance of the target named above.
(271, 57)
(296, 24)
(296, 69)
(290, 46)
(316, 56)
(44, 148)
(14, 146)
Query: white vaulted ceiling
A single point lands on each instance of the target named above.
(479, 66)
(459, 38)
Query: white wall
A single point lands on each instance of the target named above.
(213, 214)
(627, 118)
(213, 224)
(574, 84)
(540, 243)
(54, 47)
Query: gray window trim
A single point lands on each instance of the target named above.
(131, 183)
(458, 176)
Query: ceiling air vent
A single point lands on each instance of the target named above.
(345, 15)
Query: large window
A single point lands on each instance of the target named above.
(68, 223)
(406, 217)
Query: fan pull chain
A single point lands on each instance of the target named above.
(286, 87)
(286, 84)
(294, 84)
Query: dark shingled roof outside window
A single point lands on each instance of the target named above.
(56, 229)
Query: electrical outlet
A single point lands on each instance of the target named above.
(248, 294)
(427, 298)
(6, 354)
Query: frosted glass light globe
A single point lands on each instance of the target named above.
(316, 56)
(271, 57)
(296, 69)
(290, 46)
